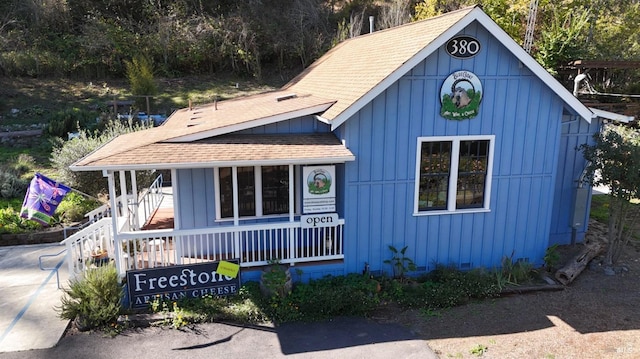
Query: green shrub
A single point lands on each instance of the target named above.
(11, 185)
(65, 153)
(515, 272)
(140, 76)
(446, 287)
(94, 299)
(74, 206)
(240, 308)
(70, 120)
(330, 296)
(12, 223)
(24, 163)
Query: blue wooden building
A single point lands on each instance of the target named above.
(442, 135)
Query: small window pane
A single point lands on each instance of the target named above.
(435, 163)
(246, 191)
(226, 192)
(275, 189)
(472, 174)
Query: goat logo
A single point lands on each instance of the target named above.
(460, 96)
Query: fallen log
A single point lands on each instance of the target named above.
(575, 266)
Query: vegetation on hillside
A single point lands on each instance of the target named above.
(92, 39)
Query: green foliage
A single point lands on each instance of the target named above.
(323, 298)
(174, 315)
(514, 272)
(448, 287)
(600, 208)
(11, 222)
(551, 257)
(65, 153)
(140, 76)
(74, 206)
(614, 162)
(70, 120)
(560, 42)
(276, 280)
(11, 184)
(94, 299)
(240, 308)
(399, 262)
(444, 287)
(479, 350)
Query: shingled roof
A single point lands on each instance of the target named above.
(356, 66)
(333, 88)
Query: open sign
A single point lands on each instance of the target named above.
(319, 220)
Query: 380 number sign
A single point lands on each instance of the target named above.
(463, 47)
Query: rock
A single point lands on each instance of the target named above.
(609, 271)
(548, 280)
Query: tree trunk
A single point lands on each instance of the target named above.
(574, 267)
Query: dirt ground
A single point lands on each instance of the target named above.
(596, 316)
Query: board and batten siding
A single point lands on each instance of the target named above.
(196, 191)
(525, 117)
(575, 132)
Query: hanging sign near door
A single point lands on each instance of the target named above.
(319, 193)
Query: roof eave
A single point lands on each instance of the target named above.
(211, 164)
(612, 115)
(474, 15)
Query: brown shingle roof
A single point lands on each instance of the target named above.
(211, 120)
(328, 87)
(231, 150)
(354, 67)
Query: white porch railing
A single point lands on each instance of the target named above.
(84, 244)
(148, 201)
(253, 245)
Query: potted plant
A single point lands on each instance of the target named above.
(275, 279)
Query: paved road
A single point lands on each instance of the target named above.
(338, 338)
(28, 295)
(30, 328)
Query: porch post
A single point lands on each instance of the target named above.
(292, 231)
(114, 218)
(178, 242)
(124, 201)
(136, 205)
(292, 196)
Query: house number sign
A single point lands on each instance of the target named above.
(463, 47)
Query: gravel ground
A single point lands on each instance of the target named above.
(596, 316)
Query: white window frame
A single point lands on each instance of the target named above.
(453, 175)
(257, 172)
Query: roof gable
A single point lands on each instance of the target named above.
(359, 69)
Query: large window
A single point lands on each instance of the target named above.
(453, 174)
(261, 191)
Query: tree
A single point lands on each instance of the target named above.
(614, 161)
(562, 37)
(66, 153)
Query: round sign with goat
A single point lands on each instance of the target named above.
(460, 96)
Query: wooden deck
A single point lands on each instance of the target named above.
(162, 218)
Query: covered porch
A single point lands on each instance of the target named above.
(143, 236)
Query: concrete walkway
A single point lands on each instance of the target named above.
(28, 319)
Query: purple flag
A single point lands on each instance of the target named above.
(43, 197)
